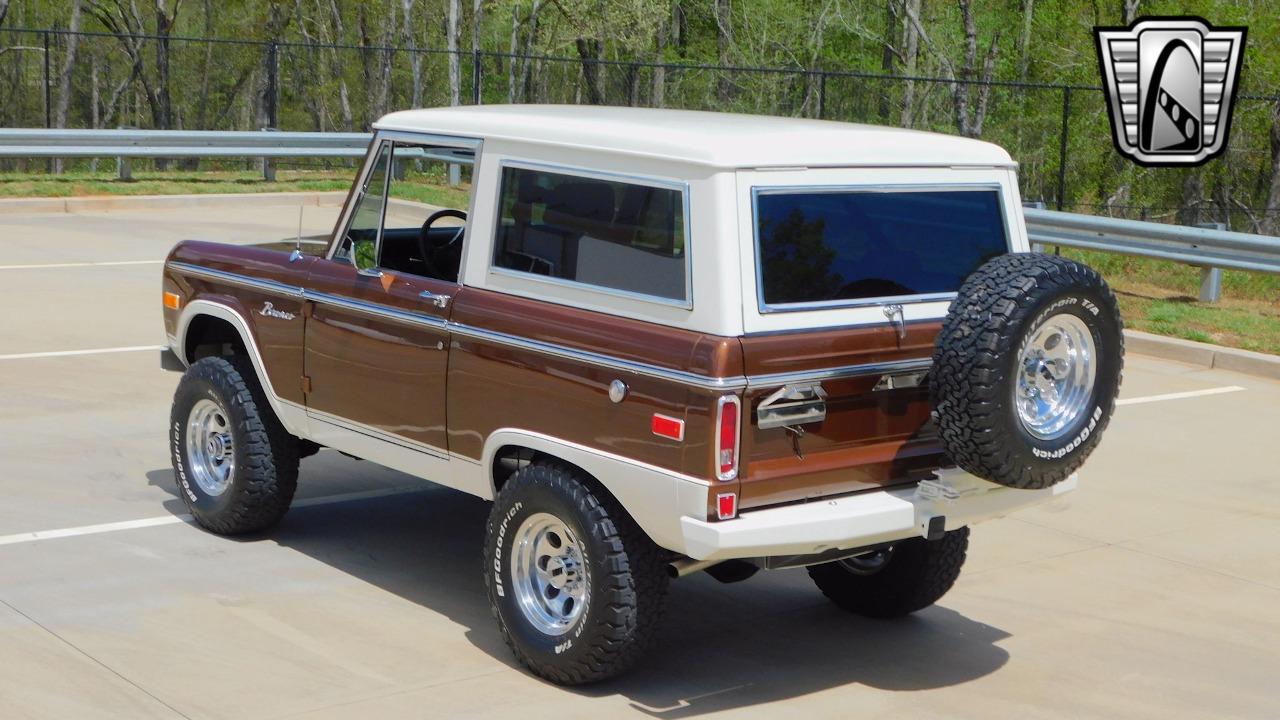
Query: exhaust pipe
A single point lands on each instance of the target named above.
(687, 566)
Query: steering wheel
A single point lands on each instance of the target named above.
(424, 238)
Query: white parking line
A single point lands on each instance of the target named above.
(185, 518)
(80, 264)
(92, 351)
(1179, 395)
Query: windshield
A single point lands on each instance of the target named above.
(818, 246)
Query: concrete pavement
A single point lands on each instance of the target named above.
(1150, 593)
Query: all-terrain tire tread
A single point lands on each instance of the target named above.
(970, 361)
(635, 583)
(267, 468)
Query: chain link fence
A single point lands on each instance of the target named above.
(1059, 134)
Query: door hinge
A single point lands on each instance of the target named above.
(306, 384)
(307, 307)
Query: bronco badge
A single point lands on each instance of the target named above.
(269, 310)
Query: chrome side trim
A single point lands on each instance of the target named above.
(560, 351)
(237, 279)
(383, 312)
(848, 371)
(613, 363)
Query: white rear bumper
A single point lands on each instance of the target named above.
(860, 520)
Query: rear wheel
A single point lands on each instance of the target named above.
(896, 580)
(576, 587)
(235, 464)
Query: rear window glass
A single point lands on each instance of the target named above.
(834, 247)
(614, 235)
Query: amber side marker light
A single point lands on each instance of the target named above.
(172, 301)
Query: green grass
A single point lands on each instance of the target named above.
(1161, 297)
(1155, 296)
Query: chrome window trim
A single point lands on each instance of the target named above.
(560, 351)
(765, 308)
(680, 186)
(356, 194)
(366, 167)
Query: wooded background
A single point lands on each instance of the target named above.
(1021, 73)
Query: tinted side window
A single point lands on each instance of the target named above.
(838, 246)
(615, 235)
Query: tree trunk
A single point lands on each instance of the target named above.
(415, 57)
(1271, 213)
(1024, 46)
(1129, 9)
(724, 46)
(658, 93)
(512, 49)
(910, 55)
(589, 53)
(477, 17)
(64, 78)
(887, 55)
(455, 71)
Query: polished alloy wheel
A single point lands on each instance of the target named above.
(1055, 377)
(549, 574)
(210, 449)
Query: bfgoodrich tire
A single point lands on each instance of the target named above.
(235, 464)
(576, 587)
(1026, 369)
(897, 580)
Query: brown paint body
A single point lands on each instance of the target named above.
(450, 390)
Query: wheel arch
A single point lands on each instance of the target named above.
(656, 498)
(208, 320)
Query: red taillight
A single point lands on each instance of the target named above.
(727, 431)
(668, 427)
(726, 506)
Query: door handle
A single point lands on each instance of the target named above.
(440, 301)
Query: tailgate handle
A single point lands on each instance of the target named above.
(792, 405)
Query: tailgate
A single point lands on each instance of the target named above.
(876, 431)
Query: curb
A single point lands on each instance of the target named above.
(1203, 354)
(99, 203)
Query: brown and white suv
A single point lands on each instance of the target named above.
(661, 342)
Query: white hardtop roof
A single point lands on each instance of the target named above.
(705, 138)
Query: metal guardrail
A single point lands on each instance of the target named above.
(1210, 248)
(126, 144)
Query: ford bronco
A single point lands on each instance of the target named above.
(661, 342)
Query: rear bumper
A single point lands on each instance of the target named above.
(860, 520)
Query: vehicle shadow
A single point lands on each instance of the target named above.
(720, 647)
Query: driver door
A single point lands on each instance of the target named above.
(376, 339)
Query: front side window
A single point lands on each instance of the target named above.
(610, 234)
(411, 213)
(832, 247)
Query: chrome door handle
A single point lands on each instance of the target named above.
(440, 301)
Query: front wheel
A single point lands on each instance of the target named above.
(895, 580)
(576, 587)
(235, 464)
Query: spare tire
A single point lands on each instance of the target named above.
(1026, 369)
